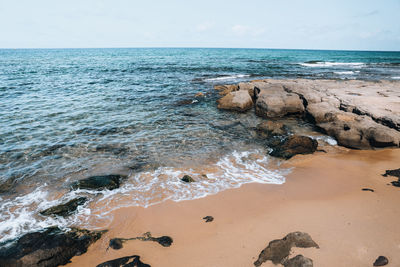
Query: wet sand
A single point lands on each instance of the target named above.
(322, 196)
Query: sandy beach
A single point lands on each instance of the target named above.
(322, 196)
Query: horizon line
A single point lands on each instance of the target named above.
(196, 47)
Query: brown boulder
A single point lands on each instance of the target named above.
(278, 250)
(360, 132)
(226, 89)
(273, 101)
(249, 87)
(238, 100)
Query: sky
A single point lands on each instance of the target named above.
(291, 24)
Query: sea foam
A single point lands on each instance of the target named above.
(332, 64)
(21, 215)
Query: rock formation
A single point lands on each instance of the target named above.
(50, 247)
(358, 114)
(278, 250)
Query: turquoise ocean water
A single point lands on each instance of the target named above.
(70, 113)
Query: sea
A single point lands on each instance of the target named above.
(67, 114)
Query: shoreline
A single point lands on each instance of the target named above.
(322, 196)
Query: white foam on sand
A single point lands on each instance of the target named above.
(21, 215)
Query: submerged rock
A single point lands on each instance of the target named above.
(298, 261)
(187, 179)
(294, 145)
(50, 247)
(199, 94)
(65, 209)
(6, 186)
(239, 101)
(130, 261)
(272, 128)
(381, 261)
(100, 182)
(278, 250)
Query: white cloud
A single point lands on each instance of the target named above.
(246, 30)
(205, 26)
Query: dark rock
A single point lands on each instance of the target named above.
(165, 241)
(143, 165)
(278, 250)
(368, 189)
(395, 173)
(298, 261)
(100, 182)
(381, 261)
(50, 247)
(294, 145)
(65, 209)
(184, 102)
(208, 219)
(131, 261)
(116, 243)
(187, 179)
(396, 183)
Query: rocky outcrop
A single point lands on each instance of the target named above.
(100, 182)
(239, 101)
(66, 208)
(293, 145)
(272, 101)
(359, 132)
(249, 87)
(50, 247)
(358, 114)
(130, 261)
(278, 250)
